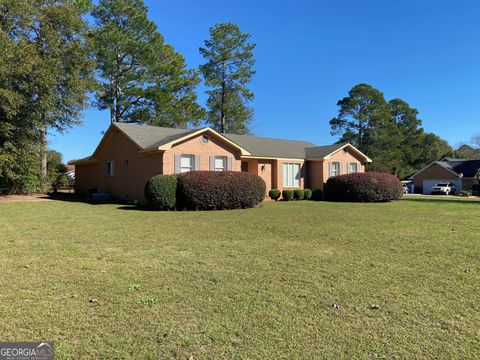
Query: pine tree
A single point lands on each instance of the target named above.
(141, 79)
(364, 120)
(229, 68)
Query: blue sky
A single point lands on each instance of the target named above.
(311, 53)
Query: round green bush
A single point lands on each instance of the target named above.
(287, 195)
(298, 194)
(274, 194)
(160, 192)
(308, 194)
(317, 195)
(364, 187)
(222, 190)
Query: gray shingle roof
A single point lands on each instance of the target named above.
(468, 168)
(268, 147)
(319, 152)
(148, 137)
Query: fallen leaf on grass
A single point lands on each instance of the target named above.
(94, 302)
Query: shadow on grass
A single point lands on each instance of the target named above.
(137, 208)
(72, 197)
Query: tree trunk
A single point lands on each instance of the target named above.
(43, 153)
(112, 114)
(222, 106)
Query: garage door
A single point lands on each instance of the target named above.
(428, 184)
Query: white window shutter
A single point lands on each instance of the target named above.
(229, 163)
(196, 165)
(177, 163)
(212, 163)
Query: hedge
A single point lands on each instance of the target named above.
(317, 195)
(210, 190)
(298, 194)
(308, 194)
(363, 187)
(287, 195)
(160, 192)
(476, 189)
(274, 194)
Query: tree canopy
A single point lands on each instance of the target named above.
(45, 77)
(388, 132)
(141, 78)
(228, 70)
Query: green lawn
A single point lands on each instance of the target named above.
(250, 284)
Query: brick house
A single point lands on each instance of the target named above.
(463, 173)
(129, 154)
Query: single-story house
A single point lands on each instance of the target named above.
(463, 173)
(129, 154)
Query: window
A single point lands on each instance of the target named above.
(204, 139)
(220, 163)
(110, 168)
(291, 175)
(125, 167)
(334, 169)
(352, 168)
(187, 163)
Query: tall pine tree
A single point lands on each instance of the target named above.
(364, 120)
(228, 70)
(142, 79)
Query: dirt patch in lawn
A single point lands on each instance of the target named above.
(23, 198)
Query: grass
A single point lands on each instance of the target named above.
(105, 282)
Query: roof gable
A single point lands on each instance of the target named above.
(147, 136)
(459, 167)
(323, 152)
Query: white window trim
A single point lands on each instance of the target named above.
(184, 169)
(335, 173)
(356, 168)
(292, 180)
(224, 159)
(112, 168)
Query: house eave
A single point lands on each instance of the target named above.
(169, 145)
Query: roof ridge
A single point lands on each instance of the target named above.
(331, 145)
(266, 138)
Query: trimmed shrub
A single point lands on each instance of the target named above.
(222, 190)
(298, 194)
(317, 195)
(464, 193)
(476, 189)
(274, 194)
(287, 195)
(160, 192)
(308, 194)
(364, 187)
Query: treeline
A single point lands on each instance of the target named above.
(58, 55)
(389, 132)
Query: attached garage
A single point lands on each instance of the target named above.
(428, 184)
